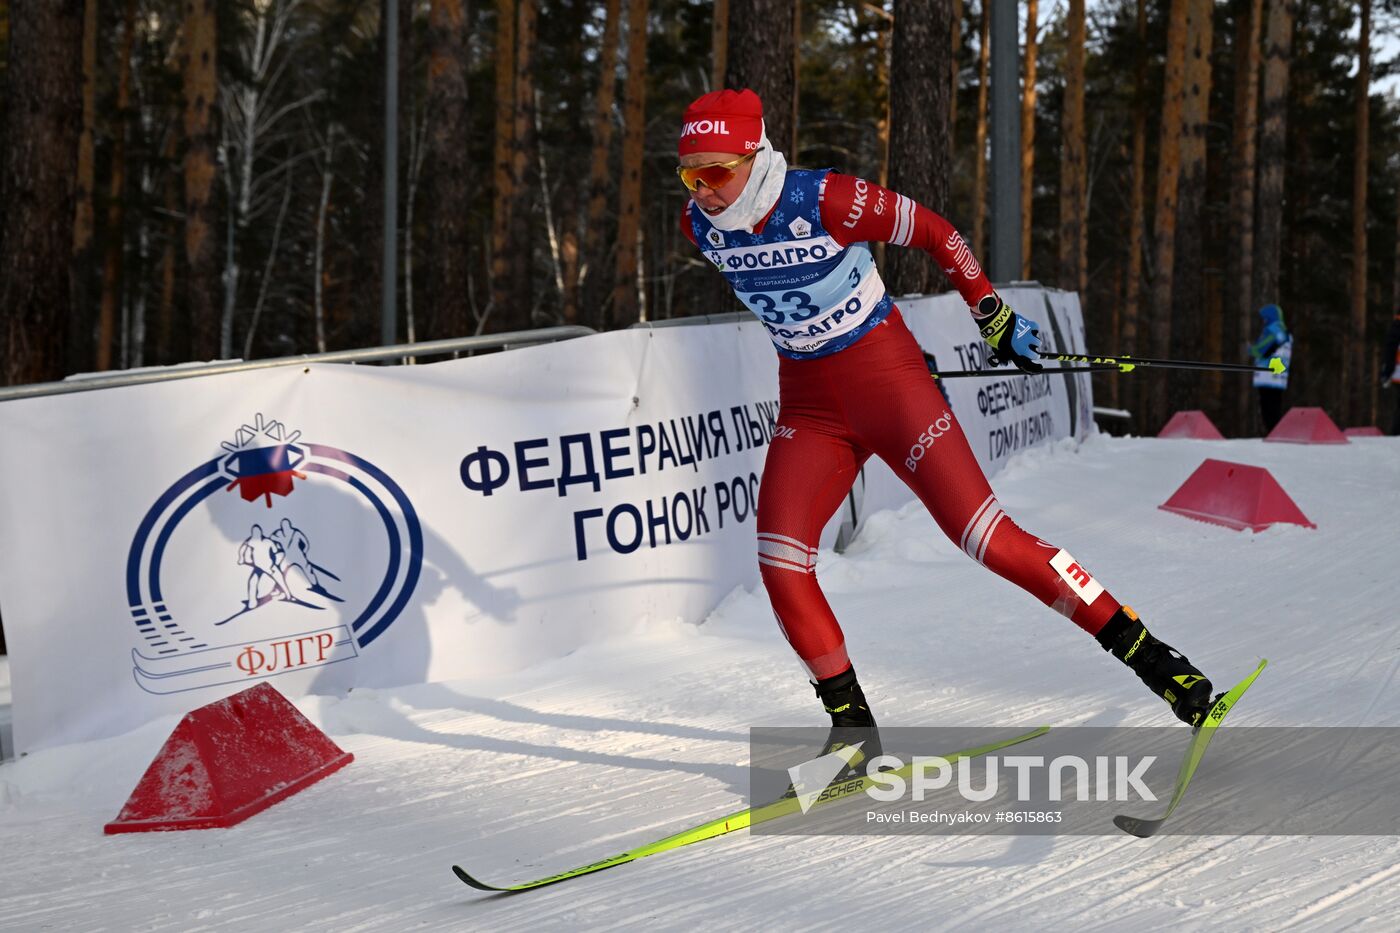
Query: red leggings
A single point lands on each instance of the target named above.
(876, 397)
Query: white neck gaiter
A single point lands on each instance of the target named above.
(760, 193)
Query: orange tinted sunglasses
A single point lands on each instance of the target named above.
(712, 174)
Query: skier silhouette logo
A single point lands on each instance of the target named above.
(264, 556)
(275, 554)
(280, 567)
(297, 553)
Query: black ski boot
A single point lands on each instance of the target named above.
(851, 719)
(1165, 670)
(851, 723)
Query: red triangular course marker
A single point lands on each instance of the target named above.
(1235, 495)
(1191, 424)
(1307, 426)
(227, 761)
(1369, 430)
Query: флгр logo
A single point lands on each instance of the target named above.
(278, 555)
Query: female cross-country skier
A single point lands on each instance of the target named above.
(794, 244)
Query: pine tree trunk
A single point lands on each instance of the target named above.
(166, 350)
(793, 150)
(363, 285)
(1137, 217)
(919, 145)
(1358, 379)
(1395, 267)
(407, 108)
(626, 308)
(200, 68)
(1268, 245)
(572, 194)
(1189, 320)
(112, 263)
(503, 177)
(450, 179)
(719, 43)
(596, 285)
(43, 118)
(884, 33)
(1028, 135)
(1164, 226)
(979, 170)
(1074, 166)
(80, 350)
(524, 162)
(762, 56)
(953, 75)
(1239, 309)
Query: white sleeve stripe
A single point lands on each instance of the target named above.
(793, 541)
(976, 517)
(786, 552)
(904, 222)
(785, 565)
(981, 533)
(987, 538)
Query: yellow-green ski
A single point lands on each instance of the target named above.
(1203, 734)
(734, 821)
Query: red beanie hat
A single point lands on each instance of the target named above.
(723, 121)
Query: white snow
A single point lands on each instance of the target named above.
(619, 743)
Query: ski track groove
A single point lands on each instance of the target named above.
(1015, 894)
(1341, 894)
(1383, 687)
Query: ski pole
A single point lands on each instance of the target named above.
(1012, 371)
(936, 373)
(1128, 363)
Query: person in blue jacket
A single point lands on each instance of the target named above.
(1274, 340)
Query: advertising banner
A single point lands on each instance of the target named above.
(330, 526)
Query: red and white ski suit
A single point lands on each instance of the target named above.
(875, 396)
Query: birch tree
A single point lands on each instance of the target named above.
(256, 148)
